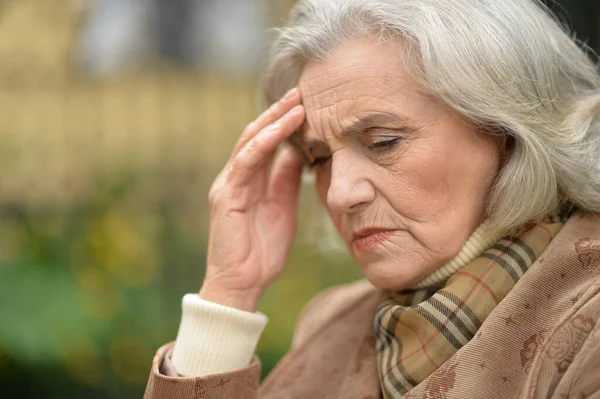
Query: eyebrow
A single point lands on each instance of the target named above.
(363, 123)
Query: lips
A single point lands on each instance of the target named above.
(369, 238)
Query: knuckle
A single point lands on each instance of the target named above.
(213, 195)
(235, 165)
(250, 127)
(271, 113)
(252, 146)
(216, 190)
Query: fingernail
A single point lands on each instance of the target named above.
(290, 94)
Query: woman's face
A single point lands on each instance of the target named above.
(405, 180)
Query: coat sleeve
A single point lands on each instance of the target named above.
(165, 384)
(243, 383)
(586, 381)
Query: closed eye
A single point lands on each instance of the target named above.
(319, 161)
(384, 144)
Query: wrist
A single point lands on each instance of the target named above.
(246, 300)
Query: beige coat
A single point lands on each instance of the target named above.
(541, 341)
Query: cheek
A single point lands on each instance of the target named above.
(437, 174)
(418, 182)
(444, 186)
(322, 180)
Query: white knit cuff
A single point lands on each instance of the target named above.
(214, 338)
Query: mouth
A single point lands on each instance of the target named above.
(370, 238)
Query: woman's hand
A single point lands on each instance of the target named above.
(253, 209)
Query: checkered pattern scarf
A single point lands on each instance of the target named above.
(417, 331)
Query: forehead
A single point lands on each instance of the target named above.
(362, 77)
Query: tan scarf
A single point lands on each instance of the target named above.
(418, 330)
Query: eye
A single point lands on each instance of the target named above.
(319, 161)
(384, 143)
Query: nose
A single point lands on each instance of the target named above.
(349, 189)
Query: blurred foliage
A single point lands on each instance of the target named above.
(90, 291)
(103, 212)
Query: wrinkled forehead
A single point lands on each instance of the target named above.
(361, 77)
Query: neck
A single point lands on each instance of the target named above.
(479, 241)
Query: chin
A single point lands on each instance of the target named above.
(393, 277)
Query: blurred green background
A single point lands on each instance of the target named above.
(105, 170)
(115, 117)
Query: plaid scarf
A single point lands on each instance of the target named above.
(418, 330)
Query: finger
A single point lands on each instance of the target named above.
(261, 148)
(284, 187)
(271, 115)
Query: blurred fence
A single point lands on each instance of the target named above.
(55, 134)
(58, 128)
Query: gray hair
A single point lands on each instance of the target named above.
(507, 66)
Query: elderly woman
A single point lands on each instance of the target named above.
(456, 147)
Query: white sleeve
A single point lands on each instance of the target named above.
(214, 338)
